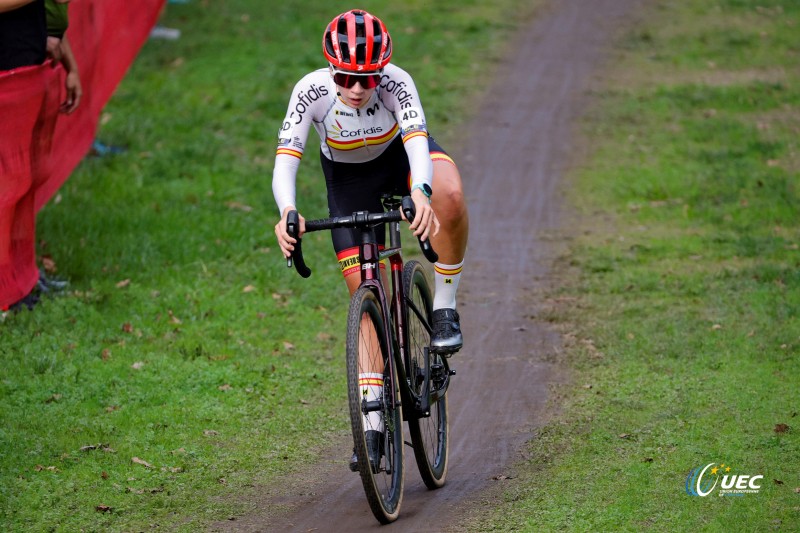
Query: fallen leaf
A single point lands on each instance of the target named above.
(173, 318)
(210, 432)
(322, 336)
(104, 474)
(777, 481)
(501, 477)
(288, 346)
(249, 288)
(648, 459)
(624, 435)
(781, 428)
(103, 508)
(797, 490)
(141, 462)
(304, 402)
(222, 481)
(124, 283)
(716, 327)
(173, 469)
(127, 327)
(225, 387)
(106, 354)
(112, 408)
(239, 206)
(138, 365)
(53, 398)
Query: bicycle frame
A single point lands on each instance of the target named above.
(370, 257)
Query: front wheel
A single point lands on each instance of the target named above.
(375, 413)
(429, 431)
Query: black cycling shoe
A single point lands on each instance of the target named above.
(446, 338)
(374, 451)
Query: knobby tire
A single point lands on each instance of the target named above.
(429, 435)
(365, 328)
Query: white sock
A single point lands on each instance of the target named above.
(371, 385)
(446, 278)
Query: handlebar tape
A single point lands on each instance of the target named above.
(410, 211)
(293, 229)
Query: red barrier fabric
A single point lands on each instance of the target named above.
(39, 147)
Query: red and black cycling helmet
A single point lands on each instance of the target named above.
(357, 41)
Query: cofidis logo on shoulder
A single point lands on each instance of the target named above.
(704, 479)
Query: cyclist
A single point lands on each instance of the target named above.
(374, 140)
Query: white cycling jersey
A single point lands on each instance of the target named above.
(351, 135)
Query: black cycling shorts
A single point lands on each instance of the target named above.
(359, 186)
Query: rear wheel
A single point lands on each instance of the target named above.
(429, 431)
(375, 413)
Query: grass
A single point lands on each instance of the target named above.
(183, 341)
(680, 315)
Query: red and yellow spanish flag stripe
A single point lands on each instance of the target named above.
(370, 381)
(415, 134)
(441, 156)
(289, 151)
(358, 143)
(448, 271)
(350, 262)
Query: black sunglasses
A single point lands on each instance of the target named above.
(367, 81)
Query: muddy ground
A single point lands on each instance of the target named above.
(520, 145)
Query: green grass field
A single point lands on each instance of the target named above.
(186, 366)
(681, 314)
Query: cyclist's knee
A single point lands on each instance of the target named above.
(449, 205)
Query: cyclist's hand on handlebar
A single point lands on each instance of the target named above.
(425, 222)
(285, 241)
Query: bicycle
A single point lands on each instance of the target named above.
(393, 336)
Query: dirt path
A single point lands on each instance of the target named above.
(520, 145)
